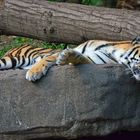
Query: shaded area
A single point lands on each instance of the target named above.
(115, 136)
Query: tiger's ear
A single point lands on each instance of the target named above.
(136, 40)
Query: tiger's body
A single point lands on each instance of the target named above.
(38, 60)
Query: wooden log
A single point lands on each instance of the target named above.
(67, 23)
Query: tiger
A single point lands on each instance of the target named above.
(38, 60)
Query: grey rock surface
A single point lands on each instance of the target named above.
(69, 102)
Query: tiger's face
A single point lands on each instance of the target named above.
(136, 70)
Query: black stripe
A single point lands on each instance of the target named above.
(135, 53)
(18, 52)
(14, 62)
(28, 62)
(34, 54)
(124, 64)
(110, 44)
(132, 51)
(102, 46)
(100, 58)
(41, 53)
(136, 40)
(128, 64)
(91, 60)
(49, 53)
(20, 49)
(113, 51)
(134, 43)
(113, 59)
(25, 46)
(30, 58)
(3, 60)
(12, 50)
(50, 61)
(110, 57)
(122, 55)
(84, 48)
(27, 51)
(23, 61)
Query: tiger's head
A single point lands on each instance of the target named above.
(136, 70)
(134, 64)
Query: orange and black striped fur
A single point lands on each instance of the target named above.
(38, 60)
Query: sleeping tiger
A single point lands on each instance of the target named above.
(39, 60)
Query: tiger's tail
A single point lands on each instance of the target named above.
(8, 62)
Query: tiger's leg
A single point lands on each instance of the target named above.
(68, 56)
(40, 68)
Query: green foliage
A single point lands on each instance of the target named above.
(106, 3)
(52, 45)
(19, 41)
(56, 0)
(4, 50)
(93, 2)
(87, 2)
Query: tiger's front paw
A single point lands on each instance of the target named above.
(35, 74)
(65, 57)
(37, 71)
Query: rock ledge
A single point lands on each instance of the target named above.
(70, 102)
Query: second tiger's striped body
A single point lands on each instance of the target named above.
(38, 60)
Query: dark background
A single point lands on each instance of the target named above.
(115, 136)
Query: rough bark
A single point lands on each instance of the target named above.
(70, 102)
(64, 22)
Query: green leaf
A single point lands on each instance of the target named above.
(93, 2)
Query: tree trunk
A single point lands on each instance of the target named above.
(64, 22)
